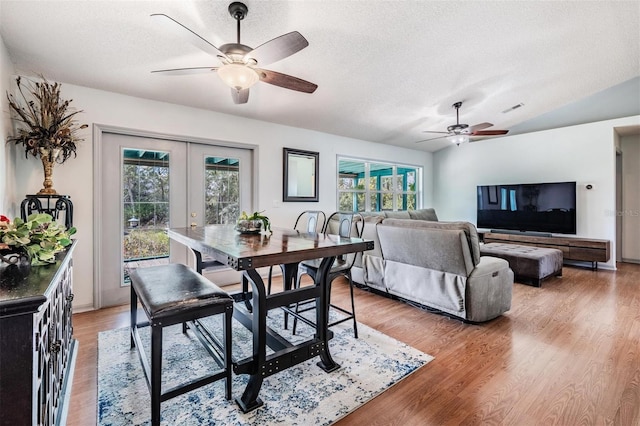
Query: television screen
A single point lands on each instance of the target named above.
(540, 207)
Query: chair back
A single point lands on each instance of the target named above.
(349, 224)
(313, 219)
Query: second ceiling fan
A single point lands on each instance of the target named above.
(242, 65)
(459, 133)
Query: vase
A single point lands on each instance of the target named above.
(14, 268)
(249, 226)
(13, 257)
(48, 158)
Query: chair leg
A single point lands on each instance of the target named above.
(297, 285)
(269, 279)
(134, 316)
(156, 373)
(228, 315)
(353, 308)
(295, 320)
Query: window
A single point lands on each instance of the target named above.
(375, 186)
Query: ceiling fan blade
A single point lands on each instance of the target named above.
(479, 127)
(489, 132)
(186, 71)
(286, 81)
(429, 131)
(278, 48)
(240, 96)
(193, 38)
(432, 139)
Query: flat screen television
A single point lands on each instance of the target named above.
(538, 207)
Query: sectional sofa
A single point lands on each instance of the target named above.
(434, 264)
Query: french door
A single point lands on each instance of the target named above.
(147, 185)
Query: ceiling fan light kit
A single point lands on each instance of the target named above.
(238, 76)
(458, 139)
(240, 63)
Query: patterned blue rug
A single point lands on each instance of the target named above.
(300, 395)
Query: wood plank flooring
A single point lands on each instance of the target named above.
(565, 354)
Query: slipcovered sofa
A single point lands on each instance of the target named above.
(435, 264)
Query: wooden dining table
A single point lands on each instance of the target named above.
(286, 248)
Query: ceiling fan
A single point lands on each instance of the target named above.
(459, 133)
(241, 64)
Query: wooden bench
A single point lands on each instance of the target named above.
(175, 294)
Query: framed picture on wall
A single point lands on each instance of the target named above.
(300, 175)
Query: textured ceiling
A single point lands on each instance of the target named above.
(386, 70)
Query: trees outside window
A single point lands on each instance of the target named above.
(375, 186)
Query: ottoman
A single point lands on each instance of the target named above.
(531, 263)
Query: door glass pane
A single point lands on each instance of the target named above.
(145, 209)
(222, 190)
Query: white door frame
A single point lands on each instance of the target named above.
(98, 131)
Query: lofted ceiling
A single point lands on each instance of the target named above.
(386, 70)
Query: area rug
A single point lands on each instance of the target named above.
(301, 395)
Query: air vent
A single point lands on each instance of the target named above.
(513, 107)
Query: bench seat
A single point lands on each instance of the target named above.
(175, 294)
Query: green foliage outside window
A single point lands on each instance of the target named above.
(146, 243)
(222, 195)
(146, 201)
(385, 186)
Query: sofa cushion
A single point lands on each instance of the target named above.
(424, 214)
(468, 228)
(444, 250)
(401, 214)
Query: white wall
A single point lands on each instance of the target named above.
(584, 153)
(74, 177)
(630, 213)
(6, 150)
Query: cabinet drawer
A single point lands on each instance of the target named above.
(587, 254)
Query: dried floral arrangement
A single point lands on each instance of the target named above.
(49, 124)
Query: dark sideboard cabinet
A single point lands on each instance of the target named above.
(37, 348)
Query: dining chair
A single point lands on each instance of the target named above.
(346, 224)
(309, 221)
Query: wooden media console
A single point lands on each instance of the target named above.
(573, 248)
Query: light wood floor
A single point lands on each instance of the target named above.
(565, 354)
